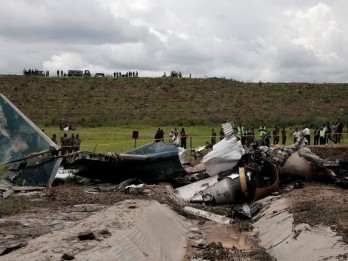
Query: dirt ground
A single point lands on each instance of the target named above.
(52, 210)
(331, 151)
(64, 206)
(320, 203)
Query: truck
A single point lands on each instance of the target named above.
(84, 73)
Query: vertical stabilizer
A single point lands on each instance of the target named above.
(19, 136)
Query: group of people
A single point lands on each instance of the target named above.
(127, 74)
(174, 136)
(65, 125)
(36, 72)
(321, 136)
(328, 132)
(68, 144)
(175, 74)
(60, 72)
(213, 135)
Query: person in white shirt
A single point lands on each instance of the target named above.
(296, 135)
(307, 134)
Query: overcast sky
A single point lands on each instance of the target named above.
(246, 40)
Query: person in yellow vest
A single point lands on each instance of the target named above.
(241, 134)
(262, 130)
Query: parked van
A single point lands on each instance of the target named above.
(86, 73)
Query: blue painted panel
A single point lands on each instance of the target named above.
(19, 136)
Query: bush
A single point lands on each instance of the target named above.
(13, 205)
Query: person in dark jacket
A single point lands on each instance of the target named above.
(183, 138)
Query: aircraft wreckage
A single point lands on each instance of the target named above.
(227, 173)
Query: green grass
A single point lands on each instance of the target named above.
(106, 110)
(96, 102)
(119, 139)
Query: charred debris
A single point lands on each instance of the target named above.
(226, 173)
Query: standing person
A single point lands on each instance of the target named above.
(176, 138)
(296, 134)
(54, 138)
(54, 152)
(222, 134)
(306, 133)
(183, 138)
(283, 136)
(176, 132)
(77, 142)
(322, 135)
(327, 133)
(71, 143)
(171, 135)
(334, 132)
(316, 136)
(267, 139)
(262, 130)
(276, 135)
(162, 135)
(339, 130)
(58, 73)
(240, 133)
(64, 141)
(158, 135)
(213, 137)
(250, 136)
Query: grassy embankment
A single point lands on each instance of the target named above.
(106, 111)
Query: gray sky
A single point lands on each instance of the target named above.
(246, 40)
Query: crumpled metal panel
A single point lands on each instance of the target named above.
(41, 174)
(19, 136)
(227, 128)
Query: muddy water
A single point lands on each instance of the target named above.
(229, 237)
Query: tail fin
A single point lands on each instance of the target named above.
(19, 136)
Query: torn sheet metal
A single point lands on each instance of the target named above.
(298, 160)
(156, 161)
(224, 156)
(247, 211)
(188, 191)
(208, 215)
(227, 128)
(249, 184)
(19, 137)
(305, 167)
(40, 174)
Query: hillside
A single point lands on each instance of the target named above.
(173, 101)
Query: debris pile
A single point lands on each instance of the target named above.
(226, 174)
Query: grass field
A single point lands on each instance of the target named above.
(96, 102)
(107, 110)
(119, 139)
